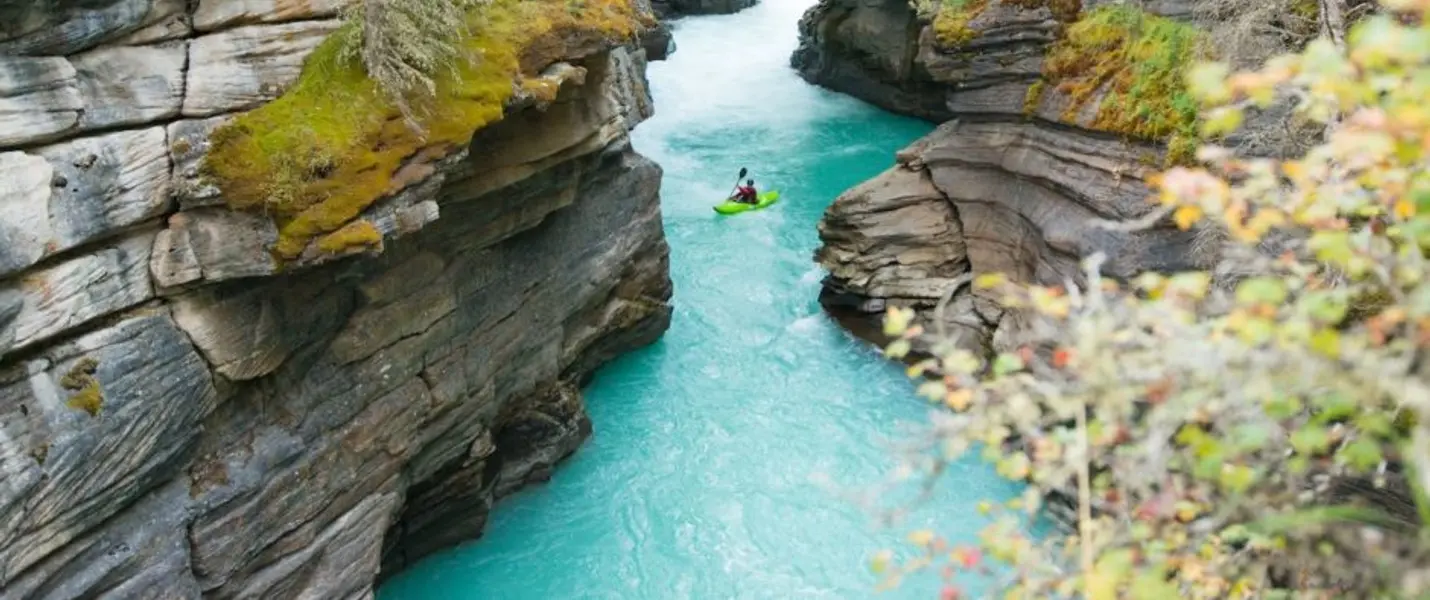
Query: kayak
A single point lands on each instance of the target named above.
(730, 207)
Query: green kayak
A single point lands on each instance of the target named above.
(730, 207)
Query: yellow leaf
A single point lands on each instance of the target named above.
(1294, 170)
(1327, 342)
(1186, 215)
(1101, 587)
(1404, 209)
(1221, 121)
(880, 561)
(959, 399)
(921, 538)
(1264, 220)
(989, 280)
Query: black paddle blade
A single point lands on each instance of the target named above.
(742, 173)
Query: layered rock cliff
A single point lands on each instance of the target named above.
(1054, 112)
(189, 409)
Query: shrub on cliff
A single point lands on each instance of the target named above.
(1256, 431)
(406, 45)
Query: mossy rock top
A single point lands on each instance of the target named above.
(1113, 68)
(1128, 67)
(323, 152)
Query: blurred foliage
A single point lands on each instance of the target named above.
(1243, 432)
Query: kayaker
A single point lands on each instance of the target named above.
(746, 193)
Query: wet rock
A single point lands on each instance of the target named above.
(76, 291)
(46, 98)
(60, 27)
(896, 241)
(167, 20)
(130, 85)
(39, 99)
(240, 68)
(213, 244)
(26, 187)
(219, 14)
(90, 427)
(893, 240)
(674, 8)
(658, 42)
(336, 562)
(868, 50)
(142, 553)
(111, 182)
(11, 301)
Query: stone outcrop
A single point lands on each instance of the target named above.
(975, 198)
(1014, 181)
(675, 8)
(659, 43)
(180, 417)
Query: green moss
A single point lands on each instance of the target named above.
(1309, 10)
(80, 374)
(89, 399)
(950, 25)
(88, 396)
(41, 453)
(1035, 95)
(325, 150)
(356, 236)
(1133, 64)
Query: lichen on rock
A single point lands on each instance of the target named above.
(327, 149)
(950, 25)
(87, 395)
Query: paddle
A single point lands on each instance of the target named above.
(737, 182)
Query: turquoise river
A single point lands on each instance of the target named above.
(701, 478)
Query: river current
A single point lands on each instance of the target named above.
(700, 479)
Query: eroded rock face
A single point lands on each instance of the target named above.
(867, 49)
(1006, 185)
(1022, 200)
(179, 418)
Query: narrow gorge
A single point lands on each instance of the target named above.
(205, 399)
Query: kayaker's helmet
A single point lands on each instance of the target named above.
(750, 182)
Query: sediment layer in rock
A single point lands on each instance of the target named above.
(1022, 200)
(1010, 183)
(182, 419)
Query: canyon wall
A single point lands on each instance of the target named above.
(1041, 137)
(184, 415)
(676, 8)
